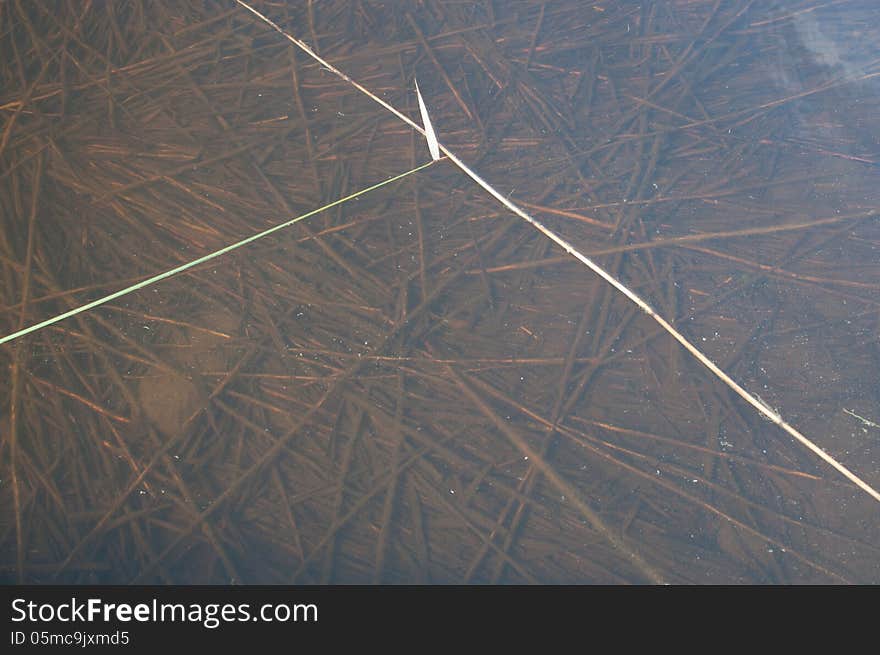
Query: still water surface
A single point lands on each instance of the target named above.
(416, 386)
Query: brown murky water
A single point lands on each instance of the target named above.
(415, 385)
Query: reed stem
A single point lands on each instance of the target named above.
(201, 260)
(761, 407)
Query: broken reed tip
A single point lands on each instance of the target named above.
(433, 145)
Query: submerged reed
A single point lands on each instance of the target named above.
(413, 387)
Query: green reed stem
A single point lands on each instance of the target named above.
(205, 258)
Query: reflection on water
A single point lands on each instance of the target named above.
(416, 386)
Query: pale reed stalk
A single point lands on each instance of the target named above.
(755, 402)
